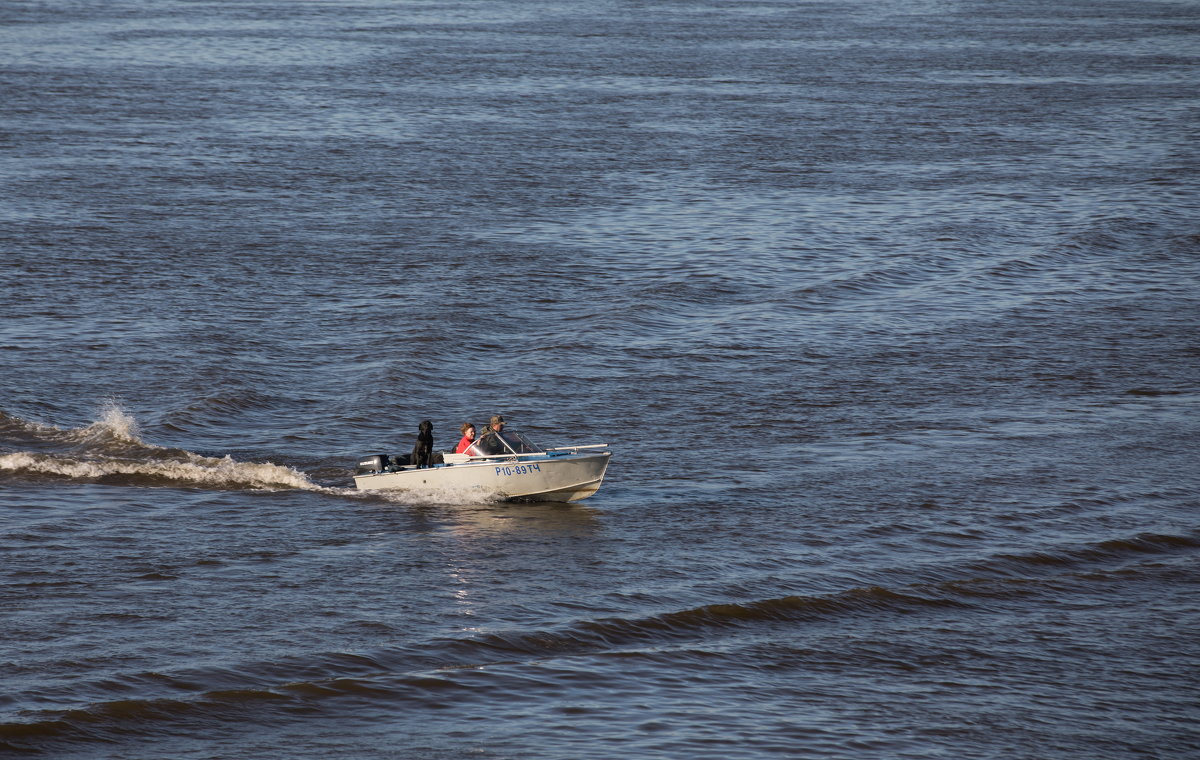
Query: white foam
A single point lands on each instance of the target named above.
(194, 470)
(92, 459)
(112, 447)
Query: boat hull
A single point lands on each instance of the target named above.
(542, 477)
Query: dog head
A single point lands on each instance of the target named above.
(425, 427)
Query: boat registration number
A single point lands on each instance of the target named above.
(518, 469)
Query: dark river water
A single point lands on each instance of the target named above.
(889, 310)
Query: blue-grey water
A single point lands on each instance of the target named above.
(888, 310)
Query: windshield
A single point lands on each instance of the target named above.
(492, 443)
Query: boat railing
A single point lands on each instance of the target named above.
(449, 458)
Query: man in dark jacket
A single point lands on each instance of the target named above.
(489, 441)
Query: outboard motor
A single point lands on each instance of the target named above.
(370, 464)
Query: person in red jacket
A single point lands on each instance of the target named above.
(468, 437)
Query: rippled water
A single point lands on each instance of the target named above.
(888, 310)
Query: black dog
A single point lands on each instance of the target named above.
(422, 453)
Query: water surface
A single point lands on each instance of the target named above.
(889, 311)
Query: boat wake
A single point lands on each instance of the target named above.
(194, 470)
(111, 451)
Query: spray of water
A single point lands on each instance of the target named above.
(111, 448)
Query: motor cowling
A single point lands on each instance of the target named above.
(371, 463)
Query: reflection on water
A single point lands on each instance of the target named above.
(547, 519)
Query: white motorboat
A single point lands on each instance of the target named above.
(501, 466)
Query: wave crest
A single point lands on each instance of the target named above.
(115, 423)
